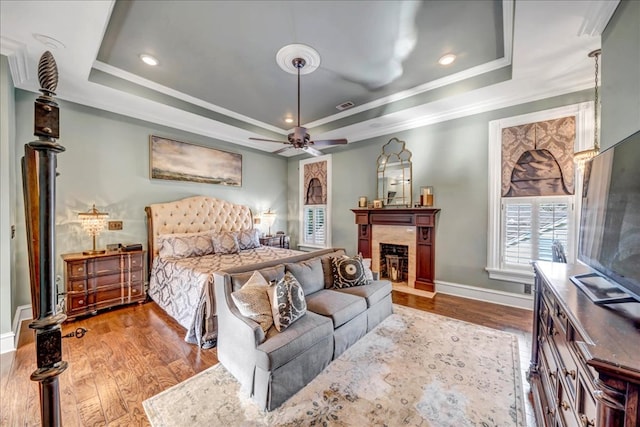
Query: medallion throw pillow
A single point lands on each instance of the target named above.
(287, 302)
(348, 272)
(252, 301)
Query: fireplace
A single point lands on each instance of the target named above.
(409, 234)
(394, 262)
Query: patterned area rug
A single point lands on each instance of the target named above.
(414, 369)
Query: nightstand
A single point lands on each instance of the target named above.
(94, 282)
(279, 241)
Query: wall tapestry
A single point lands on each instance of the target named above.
(181, 161)
(537, 158)
(315, 183)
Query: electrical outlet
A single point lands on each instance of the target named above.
(115, 225)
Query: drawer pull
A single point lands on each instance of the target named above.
(80, 268)
(135, 291)
(564, 405)
(81, 301)
(585, 422)
(570, 373)
(549, 411)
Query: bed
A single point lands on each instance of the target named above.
(180, 236)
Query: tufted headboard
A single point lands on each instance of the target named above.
(193, 215)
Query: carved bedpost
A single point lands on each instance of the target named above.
(39, 186)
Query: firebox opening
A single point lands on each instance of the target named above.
(394, 262)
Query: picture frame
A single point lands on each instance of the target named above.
(174, 160)
(377, 204)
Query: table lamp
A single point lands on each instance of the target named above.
(93, 223)
(269, 218)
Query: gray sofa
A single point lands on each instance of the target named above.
(272, 367)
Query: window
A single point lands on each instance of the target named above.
(314, 225)
(530, 227)
(523, 229)
(315, 202)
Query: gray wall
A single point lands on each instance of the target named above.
(621, 74)
(106, 162)
(453, 157)
(7, 193)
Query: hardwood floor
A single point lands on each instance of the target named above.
(135, 352)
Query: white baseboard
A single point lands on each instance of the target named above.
(7, 342)
(23, 312)
(488, 295)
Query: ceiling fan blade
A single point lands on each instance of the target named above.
(282, 150)
(326, 142)
(312, 151)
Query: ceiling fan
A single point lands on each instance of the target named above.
(300, 138)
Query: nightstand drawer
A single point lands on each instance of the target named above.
(77, 269)
(77, 286)
(137, 291)
(77, 303)
(110, 280)
(135, 276)
(136, 261)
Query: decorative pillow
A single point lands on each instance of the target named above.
(368, 274)
(252, 301)
(185, 245)
(348, 272)
(249, 239)
(327, 270)
(225, 242)
(287, 302)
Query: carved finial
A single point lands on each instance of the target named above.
(48, 74)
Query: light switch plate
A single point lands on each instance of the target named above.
(115, 225)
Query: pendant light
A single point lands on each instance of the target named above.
(581, 157)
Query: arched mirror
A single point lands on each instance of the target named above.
(394, 174)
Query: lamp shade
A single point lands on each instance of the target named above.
(93, 223)
(269, 218)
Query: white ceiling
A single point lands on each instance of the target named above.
(218, 76)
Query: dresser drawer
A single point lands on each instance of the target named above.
(104, 265)
(77, 286)
(137, 291)
(77, 303)
(107, 297)
(107, 281)
(135, 276)
(136, 262)
(77, 269)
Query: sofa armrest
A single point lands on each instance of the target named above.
(229, 317)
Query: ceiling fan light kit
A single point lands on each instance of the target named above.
(300, 59)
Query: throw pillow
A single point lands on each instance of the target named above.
(225, 242)
(366, 263)
(248, 239)
(287, 302)
(252, 301)
(348, 272)
(184, 245)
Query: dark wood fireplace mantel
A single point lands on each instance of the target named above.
(424, 219)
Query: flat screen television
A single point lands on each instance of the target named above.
(610, 224)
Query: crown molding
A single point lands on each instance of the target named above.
(597, 17)
(18, 58)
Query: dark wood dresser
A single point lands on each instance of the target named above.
(585, 362)
(93, 282)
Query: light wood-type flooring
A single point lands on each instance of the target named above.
(135, 352)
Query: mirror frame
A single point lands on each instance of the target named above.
(394, 154)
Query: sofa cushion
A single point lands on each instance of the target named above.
(282, 347)
(309, 274)
(340, 307)
(373, 292)
(287, 302)
(326, 266)
(348, 272)
(253, 302)
(270, 274)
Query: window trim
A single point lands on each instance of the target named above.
(583, 113)
(301, 199)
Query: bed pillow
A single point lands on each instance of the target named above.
(287, 302)
(252, 301)
(308, 273)
(225, 242)
(348, 272)
(249, 239)
(185, 245)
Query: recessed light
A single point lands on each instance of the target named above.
(149, 60)
(447, 59)
(288, 120)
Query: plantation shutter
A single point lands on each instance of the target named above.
(314, 224)
(531, 225)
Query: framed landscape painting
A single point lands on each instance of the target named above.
(180, 161)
